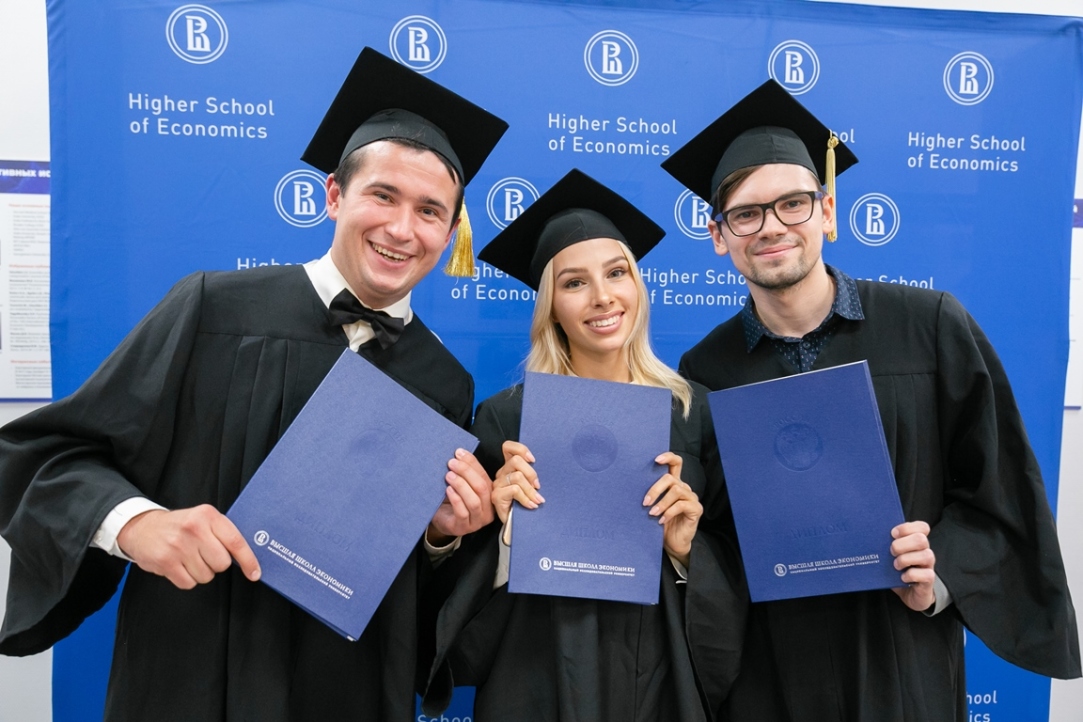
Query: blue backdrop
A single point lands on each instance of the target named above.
(176, 131)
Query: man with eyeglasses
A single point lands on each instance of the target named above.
(980, 548)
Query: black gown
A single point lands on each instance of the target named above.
(963, 464)
(541, 659)
(183, 412)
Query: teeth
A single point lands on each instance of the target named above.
(604, 322)
(388, 254)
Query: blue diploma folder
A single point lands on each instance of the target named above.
(595, 444)
(338, 505)
(811, 484)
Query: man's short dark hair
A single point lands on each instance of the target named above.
(728, 185)
(353, 162)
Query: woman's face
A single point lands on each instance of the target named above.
(595, 299)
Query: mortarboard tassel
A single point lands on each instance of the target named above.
(461, 263)
(829, 177)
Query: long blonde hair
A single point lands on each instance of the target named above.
(550, 353)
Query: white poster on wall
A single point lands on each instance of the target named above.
(25, 372)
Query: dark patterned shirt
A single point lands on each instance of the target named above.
(802, 352)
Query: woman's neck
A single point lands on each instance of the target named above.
(607, 367)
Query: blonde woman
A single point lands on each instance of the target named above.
(535, 657)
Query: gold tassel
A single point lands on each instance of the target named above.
(829, 173)
(461, 263)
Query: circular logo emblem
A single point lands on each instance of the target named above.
(372, 450)
(545, 563)
(301, 198)
(780, 570)
(261, 538)
(507, 200)
(798, 447)
(794, 65)
(418, 43)
(611, 57)
(874, 219)
(196, 34)
(693, 216)
(595, 447)
(968, 78)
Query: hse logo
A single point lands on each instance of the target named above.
(261, 538)
(196, 34)
(301, 198)
(545, 563)
(794, 65)
(418, 43)
(780, 570)
(693, 216)
(507, 200)
(968, 78)
(611, 57)
(874, 219)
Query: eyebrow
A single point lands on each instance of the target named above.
(787, 193)
(425, 200)
(610, 262)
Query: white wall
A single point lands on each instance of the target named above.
(25, 684)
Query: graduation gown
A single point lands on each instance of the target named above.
(963, 464)
(183, 412)
(541, 659)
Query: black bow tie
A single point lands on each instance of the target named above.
(346, 309)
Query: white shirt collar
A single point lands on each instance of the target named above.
(328, 282)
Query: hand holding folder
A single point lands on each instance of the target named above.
(810, 481)
(595, 443)
(343, 498)
(672, 501)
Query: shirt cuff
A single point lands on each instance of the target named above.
(943, 598)
(106, 536)
(439, 554)
(682, 570)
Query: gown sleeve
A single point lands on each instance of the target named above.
(996, 543)
(65, 466)
(715, 603)
(496, 421)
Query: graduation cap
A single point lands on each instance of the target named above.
(766, 126)
(381, 99)
(577, 208)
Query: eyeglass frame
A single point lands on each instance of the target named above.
(720, 218)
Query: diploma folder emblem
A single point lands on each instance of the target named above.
(595, 444)
(810, 482)
(341, 501)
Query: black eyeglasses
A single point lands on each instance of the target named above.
(791, 209)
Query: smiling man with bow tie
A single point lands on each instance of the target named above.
(141, 462)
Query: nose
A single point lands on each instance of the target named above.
(400, 222)
(771, 216)
(602, 295)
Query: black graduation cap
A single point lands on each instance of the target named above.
(382, 99)
(576, 209)
(766, 126)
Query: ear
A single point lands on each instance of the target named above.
(334, 195)
(720, 246)
(828, 205)
(451, 233)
